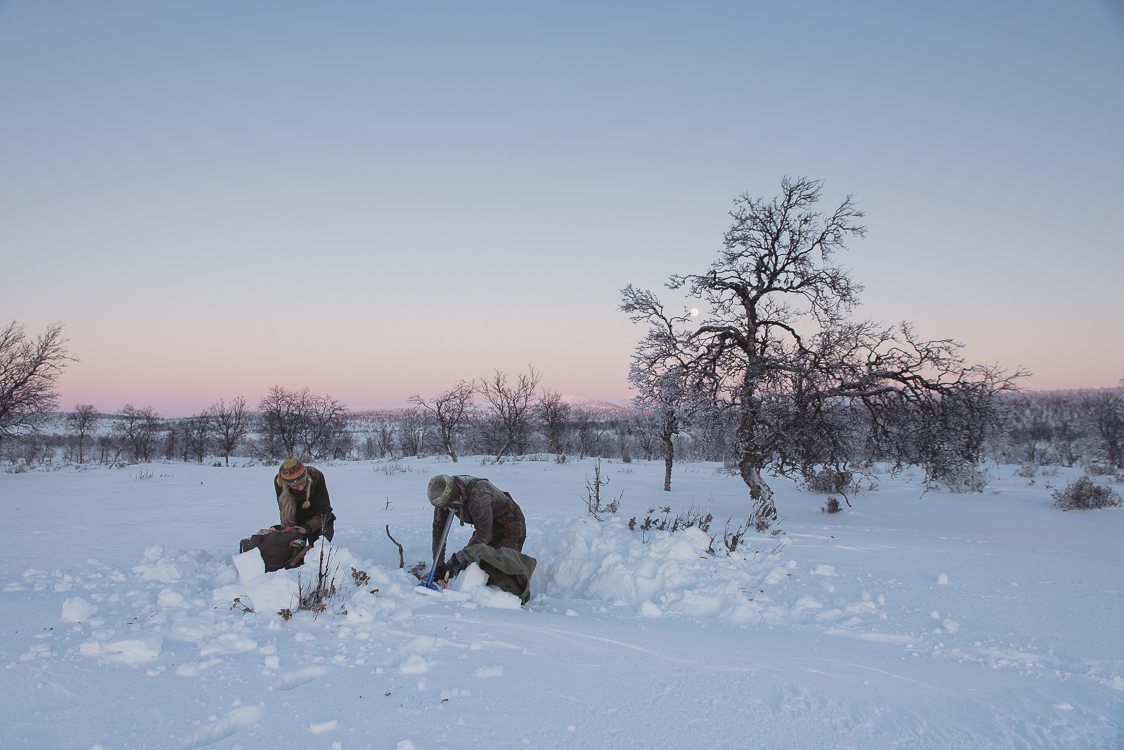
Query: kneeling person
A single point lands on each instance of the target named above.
(305, 512)
(496, 519)
(303, 502)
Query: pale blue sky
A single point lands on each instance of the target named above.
(379, 199)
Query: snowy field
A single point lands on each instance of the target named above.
(910, 621)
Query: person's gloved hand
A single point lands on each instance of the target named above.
(457, 563)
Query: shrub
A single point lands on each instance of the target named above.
(958, 475)
(831, 482)
(316, 595)
(593, 500)
(664, 522)
(1100, 470)
(832, 506)
(1085, 494)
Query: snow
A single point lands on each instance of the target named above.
(914, 619)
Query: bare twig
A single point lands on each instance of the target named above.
(401, 552)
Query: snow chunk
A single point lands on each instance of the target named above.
(240, 718)
(268, 592)
(302, 677)
(171, 598)
(229, 643)
(473, 582)
(824, 570)
(77, 609)
(414, 665)
(126, 651)
(942, 579)
(496, 671)
(249, 565)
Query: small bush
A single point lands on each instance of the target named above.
(315, 596)
(832, 506)
(831, 482)
(1085, 494)
(958, 475)
(1100, 470)
(664, 522)
(593, 500)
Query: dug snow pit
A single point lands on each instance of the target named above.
(77, 609)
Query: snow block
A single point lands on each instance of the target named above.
(268, 592)
(77, 609)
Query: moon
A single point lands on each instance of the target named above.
(694, 312)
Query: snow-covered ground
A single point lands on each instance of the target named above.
(912, 620)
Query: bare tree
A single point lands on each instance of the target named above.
(28, 371)
(449, 411)
(283, 412)
(777, 307)
(1104, 410)
(82, 420)
(587, 432)
(554, 415)
(197, 435)
(137, 429)
(324, 432)
(301, 424)
(384, 438)
(231, 423)
(511, 407)
(659, 371)
(412, 432)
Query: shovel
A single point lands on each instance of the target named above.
(429, 583)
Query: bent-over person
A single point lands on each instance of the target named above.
(496, 519)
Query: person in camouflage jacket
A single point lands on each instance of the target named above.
(496, 519)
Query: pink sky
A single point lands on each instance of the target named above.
(377, 200)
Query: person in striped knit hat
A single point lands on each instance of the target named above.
(303, 502)
(306, 515)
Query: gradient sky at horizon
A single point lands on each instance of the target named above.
(374, 200)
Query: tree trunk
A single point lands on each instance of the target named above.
(752, 461)
(668, 458)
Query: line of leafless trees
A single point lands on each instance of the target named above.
(1066, 428)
